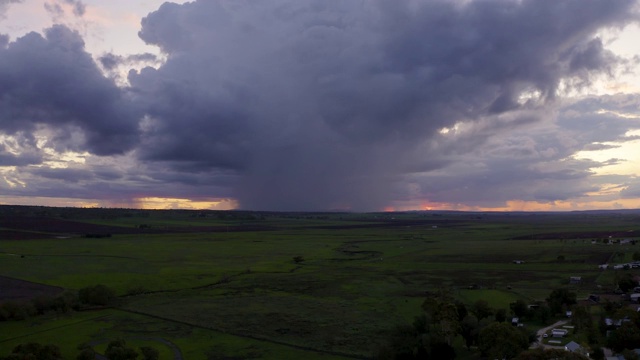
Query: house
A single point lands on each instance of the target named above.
(575, 280)
(515, 321)
(559, 333)
(634, 297)
(518, 261)
(574, 347)
(603, 266)
(568, 313)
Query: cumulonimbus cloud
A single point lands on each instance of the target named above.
(321, 105)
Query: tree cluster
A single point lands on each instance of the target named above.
(34, 351)
(432, 333)
(98, 295)
(20, 310)
(116, 350)
(484, 328)
(625, 331)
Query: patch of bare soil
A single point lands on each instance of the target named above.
(12, 289)
(21, 235)
(15, 224)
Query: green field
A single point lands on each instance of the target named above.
(240, 294)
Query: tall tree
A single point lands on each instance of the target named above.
(519, 308)
(561, 298)
(502, 341)
(626, 336)
(118, 350)
(481, 309)
(469, 329)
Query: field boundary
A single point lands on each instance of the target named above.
(246, 336)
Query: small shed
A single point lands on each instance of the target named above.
(575, 280)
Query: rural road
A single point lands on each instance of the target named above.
(544, 330)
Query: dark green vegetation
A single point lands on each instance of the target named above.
(220, 285)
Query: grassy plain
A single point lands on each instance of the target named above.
(220, 284)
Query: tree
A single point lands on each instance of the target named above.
(86, 352)
(581, 319)
(559, 298)
(626, 283)
(100, 295)
(626, 336)
(149, 353)
(442, 351)
(597, 353)
(462, 309)
(501, 315)
(404, 343)
(519, 308)
(118, 350)
(469, 329)
(481, 309)
(542, 314)
(35, 351)
(501, 340)
(442, 312)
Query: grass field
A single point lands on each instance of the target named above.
(240, 294)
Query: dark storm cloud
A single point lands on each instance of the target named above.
(320, 105)
(52, 81)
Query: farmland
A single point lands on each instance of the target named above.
(290, 285)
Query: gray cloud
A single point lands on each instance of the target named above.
(53, 81)
(318, 105)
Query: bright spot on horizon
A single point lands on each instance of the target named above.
(159, 203)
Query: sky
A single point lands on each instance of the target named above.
(315, 105)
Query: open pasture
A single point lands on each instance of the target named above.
(243, 291)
